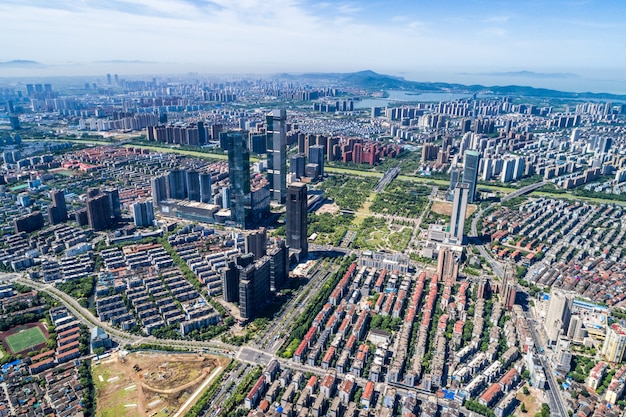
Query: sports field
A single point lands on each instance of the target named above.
(25, 339)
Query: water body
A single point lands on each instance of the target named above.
(400, 97)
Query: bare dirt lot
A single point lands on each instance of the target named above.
(445, 208)
(150, 383)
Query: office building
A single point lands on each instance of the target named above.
(297, 164)
(558, 315)
(254, 288)
(455, 177)
(143, 213)
(277, 154)
(471, 161)
(159, 188)
(297, 219)
(230, 282)
(256, 243)
(239, 176)
(615, 343)
(316, 156)
(459, 209)
(279, 265)
(28, 223)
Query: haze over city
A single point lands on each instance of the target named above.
(569, 45)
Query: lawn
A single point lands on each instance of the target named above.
(26, 339)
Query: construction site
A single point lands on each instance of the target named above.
(148, 383)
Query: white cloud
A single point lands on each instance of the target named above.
(276, 35)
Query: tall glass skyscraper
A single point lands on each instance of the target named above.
(471, 161)
(277, 155)
(297, 237)
(239, 176)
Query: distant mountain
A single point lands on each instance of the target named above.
(370, 80)
(21, 63)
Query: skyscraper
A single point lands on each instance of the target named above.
(279, 265)
(316, 156)
(471, 161)
(297, 163)
(177, 184)
(558, 315)
(459, 208)
(230, 282)
(256, 242)
(254, 287)
(115, 207)
(297, 219)
(143, 213)
(193, 185)
(98, 212)
(159, 188)
(614, 345)
(57, 212)
(206, 194)
(277, 155)
(239, 176)
(455, 175)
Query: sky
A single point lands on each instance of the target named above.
(454, 39)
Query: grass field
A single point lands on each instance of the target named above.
(25, 339)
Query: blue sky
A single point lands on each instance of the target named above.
(264, 36)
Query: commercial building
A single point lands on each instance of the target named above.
(277, 154)
(558, 315)
(459, 208)
(471, 161)
(239, 176)
(297, 238)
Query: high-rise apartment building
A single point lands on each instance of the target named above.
(239, 175)
(206, 193)
(115, 206)
(177, 184)
(614, 344)
(98, 212)
(277, 154)
(159, 188)
(297, 219)
(471, 161)
(193, 185)
(57, 212)
(143, 213)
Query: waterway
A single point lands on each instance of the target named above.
(399, 96)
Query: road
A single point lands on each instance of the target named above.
(496, 266)
(557, 407)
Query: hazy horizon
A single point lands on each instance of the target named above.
(453, 40)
